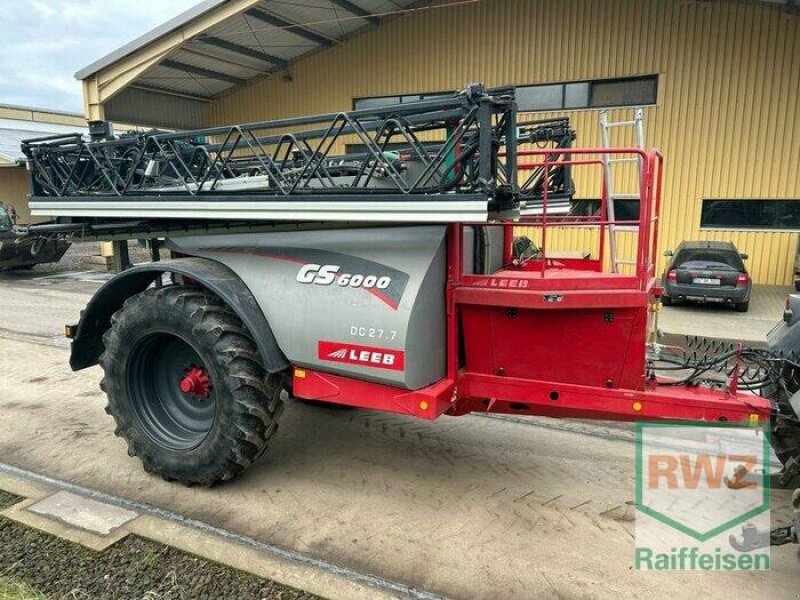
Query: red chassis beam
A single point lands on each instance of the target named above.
(496, 394)
(427, 403)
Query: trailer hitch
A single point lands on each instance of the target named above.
(790, 470)
(753, 539)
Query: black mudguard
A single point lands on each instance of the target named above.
(87, 344)
(785, 339)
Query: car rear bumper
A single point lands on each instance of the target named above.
(707, 294)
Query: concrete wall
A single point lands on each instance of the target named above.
(727, 117)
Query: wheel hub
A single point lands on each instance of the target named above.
(172, 392)
(196, 382)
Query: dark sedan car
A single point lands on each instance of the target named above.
(707, 272)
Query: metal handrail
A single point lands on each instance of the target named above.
(650, 197)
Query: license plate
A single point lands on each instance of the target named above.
(706, 281)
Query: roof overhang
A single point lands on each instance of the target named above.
(214, 47)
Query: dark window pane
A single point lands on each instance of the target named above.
(625, 210)
(629, 92)
(583, 207)
(576, 95)
(540, 97)
(751, 214)
(705, 258)
(375, 102)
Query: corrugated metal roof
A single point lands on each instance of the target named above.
(254, 42)
(12, 132)
(150, 36)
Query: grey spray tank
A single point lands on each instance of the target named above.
(355, 302)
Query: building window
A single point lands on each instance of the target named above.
(380, 101)
(598, 93)
(624, 92)
(771, 215)
(624, 210)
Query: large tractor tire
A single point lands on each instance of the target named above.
(187, 387)
(785, 431)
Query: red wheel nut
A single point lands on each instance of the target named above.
(195, 382)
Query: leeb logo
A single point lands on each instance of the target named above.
(696, 487)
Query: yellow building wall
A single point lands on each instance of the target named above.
(727, 117)
(40, 116)
(15, 185)
(15, 181)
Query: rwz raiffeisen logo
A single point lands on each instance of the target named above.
(697, 486)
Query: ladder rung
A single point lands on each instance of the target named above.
(621, 124)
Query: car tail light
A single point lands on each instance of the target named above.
(744, 279)
(672, 275)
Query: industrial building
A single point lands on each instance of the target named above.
(717, 79)
(18, 123)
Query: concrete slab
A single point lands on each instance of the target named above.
(713, 320)
(201, 543)
(97, 517)
(20, 513)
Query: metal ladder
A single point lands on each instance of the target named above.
(637, 122)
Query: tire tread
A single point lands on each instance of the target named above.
(255, 395)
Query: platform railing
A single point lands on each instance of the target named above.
(645, 227)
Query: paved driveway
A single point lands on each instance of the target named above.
(713, 320)
(469, 507)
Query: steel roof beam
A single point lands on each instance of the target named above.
(243, 51)
(270, 19)
(208, 73)
(356, 10)
(154, 89)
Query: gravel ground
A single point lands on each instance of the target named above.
(73, 259)
(132, 568)
(7, 500)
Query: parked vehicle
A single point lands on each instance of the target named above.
(711, 272)
(784, 340)
(20, 251)
(389, 281)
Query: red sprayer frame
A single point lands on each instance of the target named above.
(558, 337)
